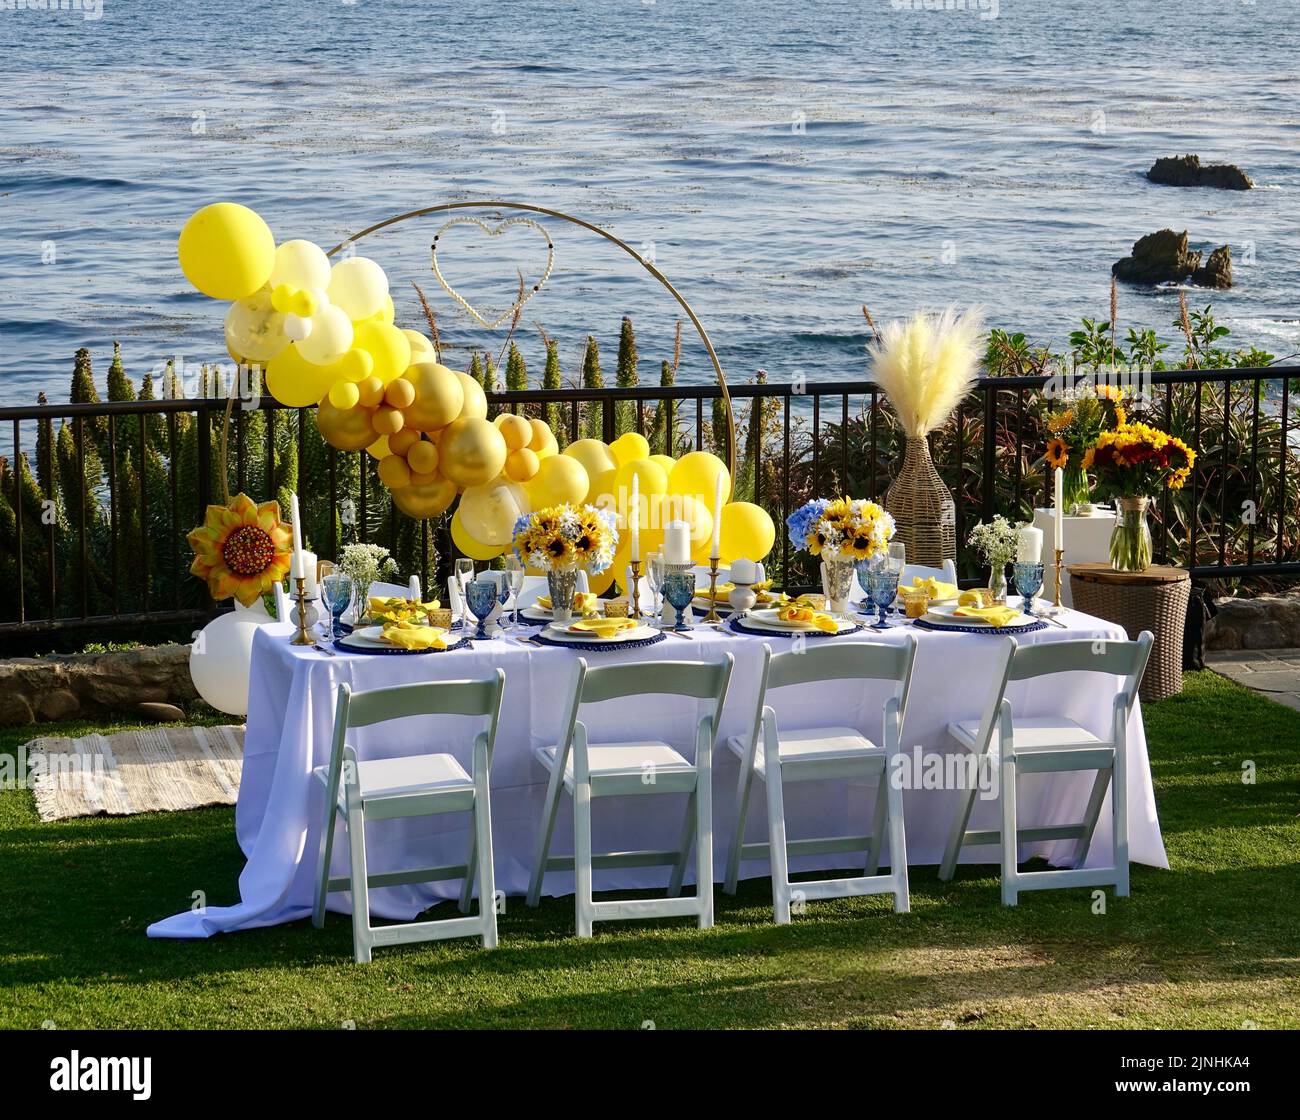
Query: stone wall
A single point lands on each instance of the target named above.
(1266, 622)
(141, 682)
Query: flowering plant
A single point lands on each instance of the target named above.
(996, 541)
(840, 529)
(365, 563)
(1133, 458)
(1076, 426)
(566, 536)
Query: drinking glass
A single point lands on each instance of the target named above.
(654, 577)
(1029, 581)
(864, 568)
(679, 590)
(884, 588)
(514, 582)
(897, 560)
(481, 601)
(336, 591)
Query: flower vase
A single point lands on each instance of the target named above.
(361, 601)
(998, 582)
(1076, 490)
(561, 583)
(1130, 540)
(922, 507)
(837, 584)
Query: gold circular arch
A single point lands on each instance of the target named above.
(650, 268)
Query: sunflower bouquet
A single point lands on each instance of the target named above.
(849, 529)
(566, 536)
(1074, 429)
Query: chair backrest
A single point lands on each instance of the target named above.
(394, 590)
(282, 605)
(946, 574)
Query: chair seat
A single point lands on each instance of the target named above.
(816, 745)
(623, 761)
(1042, 739)
(400, 777)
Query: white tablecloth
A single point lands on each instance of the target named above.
(291, 706)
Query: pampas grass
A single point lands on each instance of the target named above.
(926, 364)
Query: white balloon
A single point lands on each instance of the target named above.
(300, 264)
(254, 329)
(359, 286)
(330, 337)
(221, 656)
(296, 327)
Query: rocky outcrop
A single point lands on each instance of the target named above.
(1188, 171)
(147, 683)
(1158, 258)
(1217, 270)
(1266, 622)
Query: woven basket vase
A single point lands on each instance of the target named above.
(922, 508)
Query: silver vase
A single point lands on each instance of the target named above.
(561, 583)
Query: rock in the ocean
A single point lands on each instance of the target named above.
(1157, 258)
(1187, 171)
(1217, 270)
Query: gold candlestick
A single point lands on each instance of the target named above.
(634, 592)
(713, 618)
(1060, 561)
(301, 638)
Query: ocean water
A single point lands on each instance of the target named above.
(784, 163)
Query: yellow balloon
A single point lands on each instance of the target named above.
(471, 452)
(489, 512)
(601, 582)
(696, 472)
(650, 477)
(330, 338)
(559, 479)
(421, 348)
(747, 531)
(357, 365)
(344, 394)
(592, 454)
(516, 429)
(522, 465)
(380, 449)
(385, 420)
(665, 461)
(629, 447)
(475, 550)
(254, 328)
(386, 313)
(601, 491)
(394, 472)
(296, 382)
(429, 497)
(400, 393)
(386, 344)
(347, 429)
(543, 441)
(226, 251)
(358, 286)
(300, 264)
(439, 396)
(475, 406)
(370, 390)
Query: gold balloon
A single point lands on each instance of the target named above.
(488, 513)
(426, 500)
(423, 457)
(475, 406)
(471, 452)
(347, 429)
(543, 442)
(517, 430)
(394, 472)
(439, 396)
(403, 441)
(387, 421)
(521, 465)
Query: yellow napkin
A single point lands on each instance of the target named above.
(806, 614)
(394, 609)
(410, 636)
(604, 627)
(584, 602)
(762, 592)
(997, 616)
(933, 588)
(973, 598)
(720, 592)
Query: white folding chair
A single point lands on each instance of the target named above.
(282, 604)
(588, 770)
(1049, 745)
(821, 754)
(412, 786)
(946, 574)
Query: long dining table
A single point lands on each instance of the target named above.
(292, 695)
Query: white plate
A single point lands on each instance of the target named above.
(561, 634)
(767, 620)
(368, 637)
(943, 615)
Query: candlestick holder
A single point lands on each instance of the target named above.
(713, 618)
(302, 638)
(1060, 562)
(634, 592)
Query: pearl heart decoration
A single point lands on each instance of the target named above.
(494, 231)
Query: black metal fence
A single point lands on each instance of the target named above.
(97, 497)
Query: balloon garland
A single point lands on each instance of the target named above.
(325, 335)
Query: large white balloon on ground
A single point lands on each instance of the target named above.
(221, 655)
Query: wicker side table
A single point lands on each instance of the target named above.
(1154, 600)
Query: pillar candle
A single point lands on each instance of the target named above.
(634, 520)
(1058, 504)
(1029, 549)
(308, 573)
(296, 569)
(744, 571)
(715, 550)
(677, 542)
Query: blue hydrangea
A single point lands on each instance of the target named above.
(803, 519)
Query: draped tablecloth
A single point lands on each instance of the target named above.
(292, 691)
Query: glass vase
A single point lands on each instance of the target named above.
(1130, 540)
(561, 583)
(1076, 490)
(998, 582)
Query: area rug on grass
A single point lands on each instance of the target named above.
(162, 768)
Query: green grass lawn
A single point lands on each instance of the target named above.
(1213, 942)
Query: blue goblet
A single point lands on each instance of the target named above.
(864, 569)
(336, 591)
(1029, 581)
(679, 590)
(884, 589)
(481, 598)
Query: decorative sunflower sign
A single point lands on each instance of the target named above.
(241, 549)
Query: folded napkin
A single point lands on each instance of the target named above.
(584, 602)
(410, 636)
(813, 618)
(997, 616)
(604, 627)
(395, 608)
(762, 592)
(971, 598)
(720, 592)
(933, 588)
